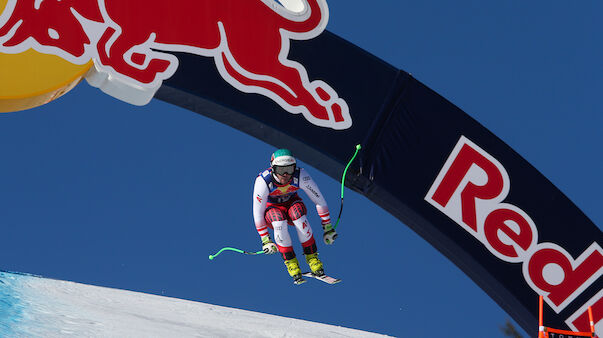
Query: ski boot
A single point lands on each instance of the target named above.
(315, 264)
(294, 270)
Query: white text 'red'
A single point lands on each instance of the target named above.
(471, 188)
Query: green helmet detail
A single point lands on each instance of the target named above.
(282, 157)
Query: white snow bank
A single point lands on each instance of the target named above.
(37, 307)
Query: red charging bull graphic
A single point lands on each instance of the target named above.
(471, 189)
(130, 42)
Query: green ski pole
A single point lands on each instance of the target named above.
(211, 257)
(343, 183)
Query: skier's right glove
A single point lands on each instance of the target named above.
(329, 233)
(267, 245)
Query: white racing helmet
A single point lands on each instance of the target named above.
(282, 161)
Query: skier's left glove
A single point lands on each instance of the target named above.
(329, 233)
(267, 245)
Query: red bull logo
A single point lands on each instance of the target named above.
(471, 189)
(130, 43)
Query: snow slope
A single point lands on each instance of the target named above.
(32, 306)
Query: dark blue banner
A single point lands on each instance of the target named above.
(426, 162)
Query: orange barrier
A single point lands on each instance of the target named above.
(543, 331)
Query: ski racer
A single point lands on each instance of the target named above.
(276, 205)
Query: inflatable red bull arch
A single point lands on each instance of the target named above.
(274, 72)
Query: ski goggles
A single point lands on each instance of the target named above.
(281, 170)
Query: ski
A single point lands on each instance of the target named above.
(324, 278)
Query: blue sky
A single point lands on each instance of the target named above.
(97, 191)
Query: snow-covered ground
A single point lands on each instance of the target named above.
(32, 306)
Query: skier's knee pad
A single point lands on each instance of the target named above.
(274, 215)
(297, 210)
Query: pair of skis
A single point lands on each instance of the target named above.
(301, 280)
(324, 278)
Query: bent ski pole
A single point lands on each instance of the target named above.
(211, 257)
(343, 183)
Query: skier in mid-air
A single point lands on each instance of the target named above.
(276, 205)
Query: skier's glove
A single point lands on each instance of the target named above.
(267, 245)
(329, 233)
